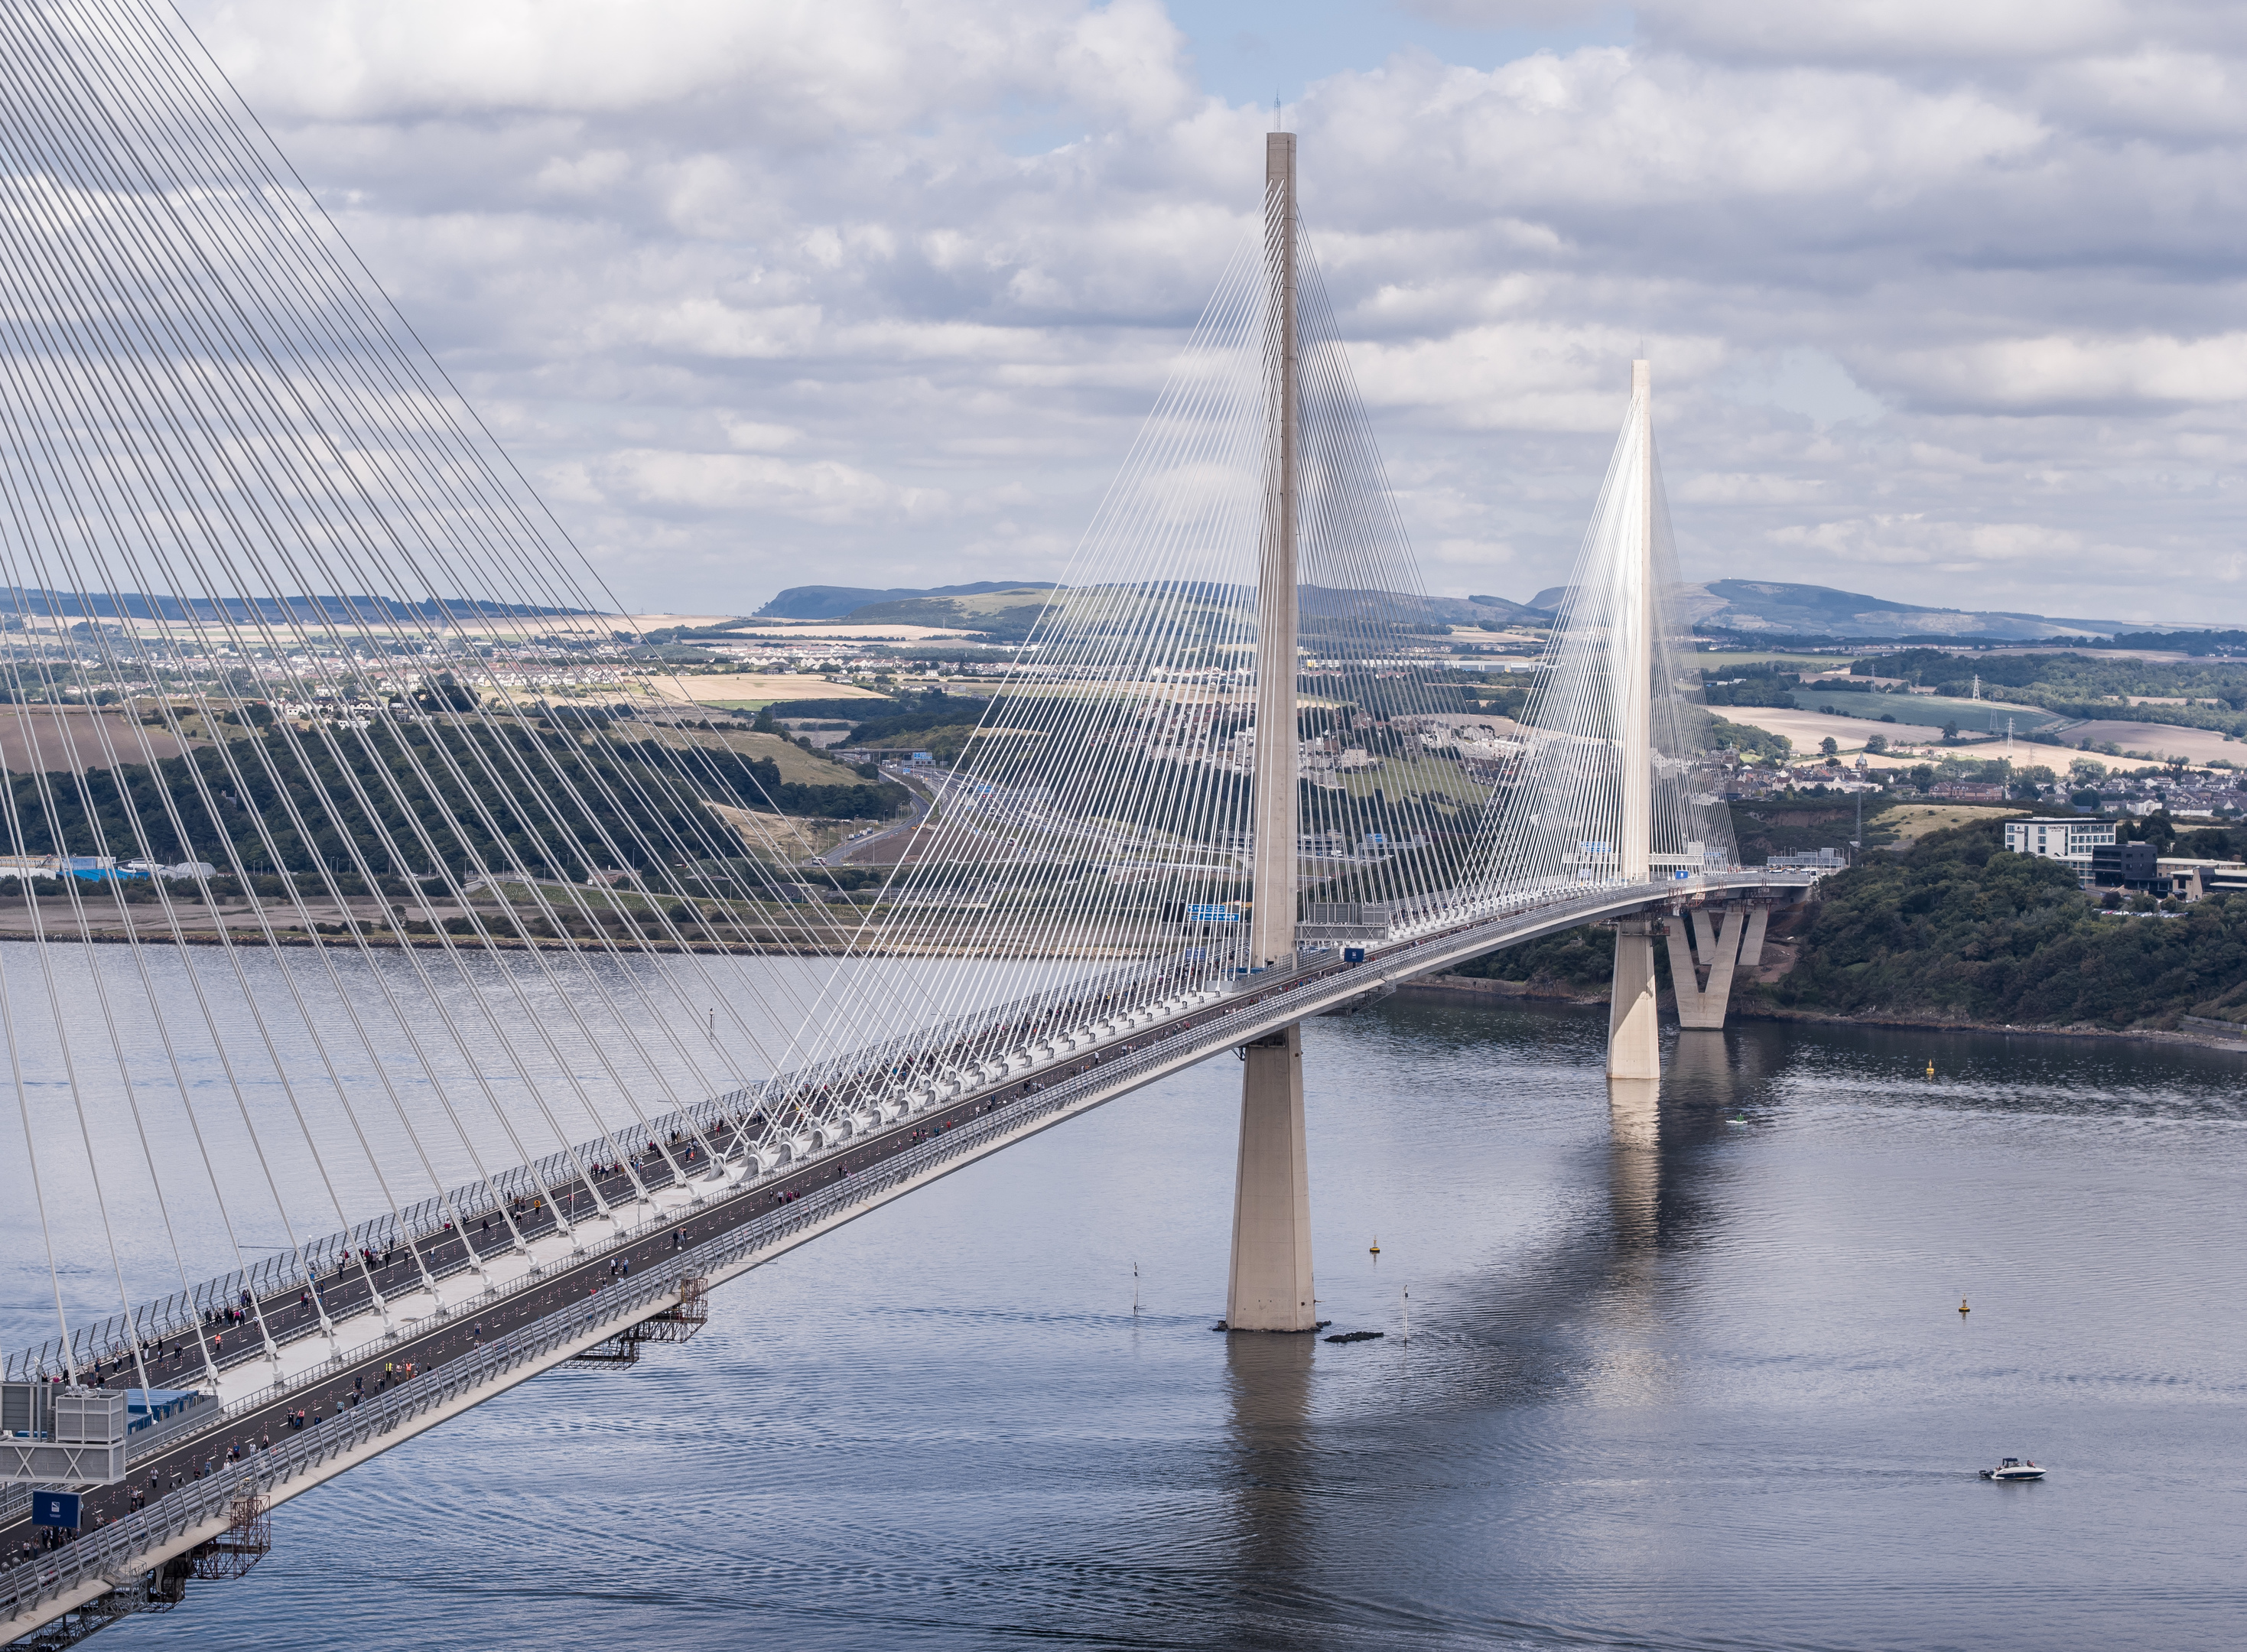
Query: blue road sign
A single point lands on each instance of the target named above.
(1353, 954)
(1201, 913)
(55, 1508)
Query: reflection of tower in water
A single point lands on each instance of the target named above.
(1651, 1122)
(1270, 1379)
(1700, 1073)
(1626, 1370)
(1635, 1165)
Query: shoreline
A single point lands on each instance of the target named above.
(1462, 986)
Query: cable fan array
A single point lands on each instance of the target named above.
(1102, 810)
(1564, 820)
(211, 415)
(322, 930)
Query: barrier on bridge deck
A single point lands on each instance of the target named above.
(114, 1549)
(182, 1313)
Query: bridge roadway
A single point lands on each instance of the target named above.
(572, 1293)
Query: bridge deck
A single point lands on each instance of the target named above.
(503, 1316)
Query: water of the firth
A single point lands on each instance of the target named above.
(1715, 1393)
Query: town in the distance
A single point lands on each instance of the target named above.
(1825, 709)
(2000, 787)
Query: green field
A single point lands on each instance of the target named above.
(1928, 711)
(1716, 665)
(1416, 777)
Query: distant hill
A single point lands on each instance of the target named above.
(994, 609)
(1005, 608)
(1004, 611)
(842, 601)
(1754, 605)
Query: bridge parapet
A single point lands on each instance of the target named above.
(1255, 1004)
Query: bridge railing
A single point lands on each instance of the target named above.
(112, 1551)
(182, 1313)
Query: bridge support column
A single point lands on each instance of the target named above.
(1271, 1285)
(1751, 944)
(1717, 938)
(1270, 1289)
(1634, 1035)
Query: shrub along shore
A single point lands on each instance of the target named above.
(1954, 931)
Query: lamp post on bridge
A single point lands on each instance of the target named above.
(1270, 1287)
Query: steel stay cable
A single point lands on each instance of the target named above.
(560, 1135)
(265, 926)
(160, 1019)
(250, 997)
(49, 811)
(31, 1147)
(628, 1086)
(291, 198)
(117, 1042)
(1124, 583)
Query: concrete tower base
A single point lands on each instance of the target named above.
(1633, 1036)
(1717, 949)
(1271, 1285)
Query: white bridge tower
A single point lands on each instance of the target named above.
(1270, 1287)
(1634, 1046)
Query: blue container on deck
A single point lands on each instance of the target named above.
(144, 1406)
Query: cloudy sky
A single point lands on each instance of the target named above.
(1944, 295)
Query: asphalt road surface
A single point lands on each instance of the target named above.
(179, 1365)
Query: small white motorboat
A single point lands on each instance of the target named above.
(2014, 1468)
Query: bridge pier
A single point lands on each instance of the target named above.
(1270, 1288)
(1701, 969)
(1752, 942)
(1634, 1035)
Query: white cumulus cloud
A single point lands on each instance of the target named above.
(1943, 299)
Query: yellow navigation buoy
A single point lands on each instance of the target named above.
(1931, 1070)
(1963, 1309)
(1374, 1248)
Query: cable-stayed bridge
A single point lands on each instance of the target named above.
(383, 1031)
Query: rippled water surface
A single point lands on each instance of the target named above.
(1710, 1392)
